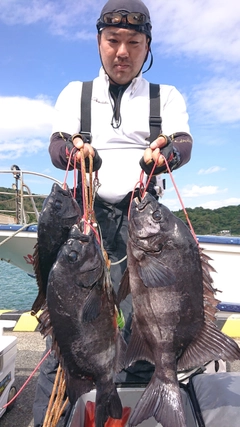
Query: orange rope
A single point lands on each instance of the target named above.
(56, 404)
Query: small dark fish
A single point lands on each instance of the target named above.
(173, 305)
(60, 211)
(83, 321)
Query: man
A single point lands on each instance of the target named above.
(119, 143)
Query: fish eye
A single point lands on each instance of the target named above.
(58, 205)
(157, 216)
(72, 256)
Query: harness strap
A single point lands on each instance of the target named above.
(86, 110)
(155, 120)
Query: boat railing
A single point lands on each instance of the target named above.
(22, 193)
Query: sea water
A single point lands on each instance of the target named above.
(17, 289)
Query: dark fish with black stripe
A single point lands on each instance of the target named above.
(59, 213)
(81, 315)
(173, 308)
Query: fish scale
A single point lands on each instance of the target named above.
(82, 314)
(59, 213)
(173, 308)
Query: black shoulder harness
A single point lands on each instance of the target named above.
(155, 120)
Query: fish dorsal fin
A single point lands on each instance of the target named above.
(41, 297)
(154, 273)
(45, 322)
(137, 348)
(209, 300)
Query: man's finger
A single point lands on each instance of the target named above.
(158, 143)
(88, 150)
(147, 155)
(78, 143)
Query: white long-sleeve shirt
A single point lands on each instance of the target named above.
(121, 148)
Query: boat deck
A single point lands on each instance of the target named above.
(30, 347)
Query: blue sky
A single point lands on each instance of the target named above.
(196, 47)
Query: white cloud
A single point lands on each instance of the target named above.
(215, 204)
(195, 28)
(23, 117)
(62, 17)
(25, 126)
(204, 29)
(197, 191)
(210, 170)
(217, 100)
(21, 147)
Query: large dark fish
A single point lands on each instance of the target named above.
(59, 212)
(83, 319)
(174, 307)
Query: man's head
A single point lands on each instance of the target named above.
(132, 14)
(124, 37)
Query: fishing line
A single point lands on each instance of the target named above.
(141, 191)
(180, 200)
(75, 178)
(67, 169)
(88, 201)
(176, 189)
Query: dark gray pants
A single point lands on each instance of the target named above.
(113, 221)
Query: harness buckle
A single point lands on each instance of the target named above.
(87, 136)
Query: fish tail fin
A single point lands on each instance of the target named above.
(161, 401)
(108, 404)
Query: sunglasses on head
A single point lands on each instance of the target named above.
(115, 18)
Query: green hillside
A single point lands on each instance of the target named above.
(221, 221)
(8, 202)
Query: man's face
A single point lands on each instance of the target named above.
(123, 52)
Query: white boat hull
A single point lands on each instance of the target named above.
(225, 254)
(17, 243)
(18, 250)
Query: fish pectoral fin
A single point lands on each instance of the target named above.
(137, 348)
(124, 287)
(38, 303)
(154, 273)
(92, 306)
(41, 297)
(209, 344)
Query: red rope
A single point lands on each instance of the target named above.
(176, 189)
(27, 381)
(181, 201)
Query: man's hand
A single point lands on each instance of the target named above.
(158, 149)
(87, 148)
(73, 147)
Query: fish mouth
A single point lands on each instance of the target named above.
(142, 202)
